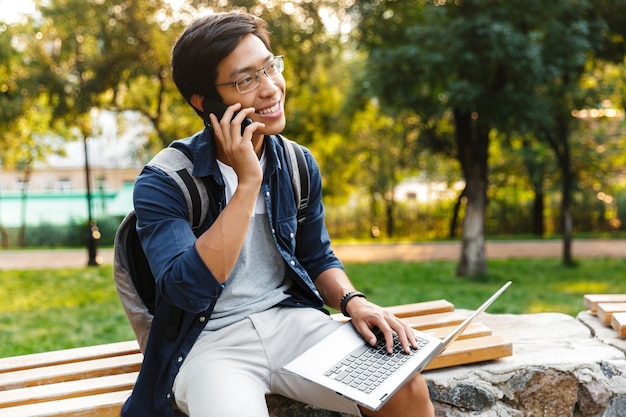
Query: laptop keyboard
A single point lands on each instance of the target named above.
(369, 366)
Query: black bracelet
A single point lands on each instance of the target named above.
(344, 301)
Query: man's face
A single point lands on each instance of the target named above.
(268, 98)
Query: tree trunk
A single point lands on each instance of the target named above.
(21, 237)
(455, 214)
(560, 144)
(473, 260)
(5, 237)
(538, 207)
(389, 210)
(473, 143)
(566, 203)
(535, 170)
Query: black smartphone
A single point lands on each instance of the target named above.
(218, 109)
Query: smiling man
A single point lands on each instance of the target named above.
(251, 282)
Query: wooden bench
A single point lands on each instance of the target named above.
(610, 309)
(96, 380)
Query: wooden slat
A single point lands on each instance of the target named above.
(420, 309)
(478, 349)
(423, 322)
(101, 405)
(473, 330)
(606, 310)
(425, 308)
(433, 321)
(70, 371)
(63, 390)
(591, 301)
(618, 322)
(58, 357)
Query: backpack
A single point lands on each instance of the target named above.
(134, 280)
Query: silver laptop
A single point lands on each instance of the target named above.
(345, 363)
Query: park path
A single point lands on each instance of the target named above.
(587, 248)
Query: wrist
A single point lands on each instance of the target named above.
(346, 299)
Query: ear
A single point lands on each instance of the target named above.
(196, 102)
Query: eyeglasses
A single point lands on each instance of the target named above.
(252, 80)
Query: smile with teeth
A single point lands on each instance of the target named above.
(269, 110)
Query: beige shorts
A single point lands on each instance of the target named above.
(228, 372)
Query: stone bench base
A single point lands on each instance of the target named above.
(558, 368)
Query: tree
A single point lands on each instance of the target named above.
(116, 55)
(491, 67)
(146, 86)
(10, 103)
(373, 139)
(598, 142)
(74, 53)
(469, 63)
(297, 31)
(559, 91)
(25, 115)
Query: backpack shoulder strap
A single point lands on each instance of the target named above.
(300, 179)
(176, 164)
(132, 273)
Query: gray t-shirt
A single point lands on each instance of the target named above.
(258, 281)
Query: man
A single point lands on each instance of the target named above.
(251, 282)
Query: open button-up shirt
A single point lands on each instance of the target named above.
(185, 283)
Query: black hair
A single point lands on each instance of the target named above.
(204, 43)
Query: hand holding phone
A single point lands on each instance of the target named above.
(218, 109)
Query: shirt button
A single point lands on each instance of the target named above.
(273, 231)
(169, 395)
(291, 235)
(267, 193)
(292, 263)
(180, 359)
(202, 319)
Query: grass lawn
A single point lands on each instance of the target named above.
(45, 310)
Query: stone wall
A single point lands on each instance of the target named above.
(561, 367)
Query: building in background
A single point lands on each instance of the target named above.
(56, 193)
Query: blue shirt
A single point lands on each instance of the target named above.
(185, 285)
